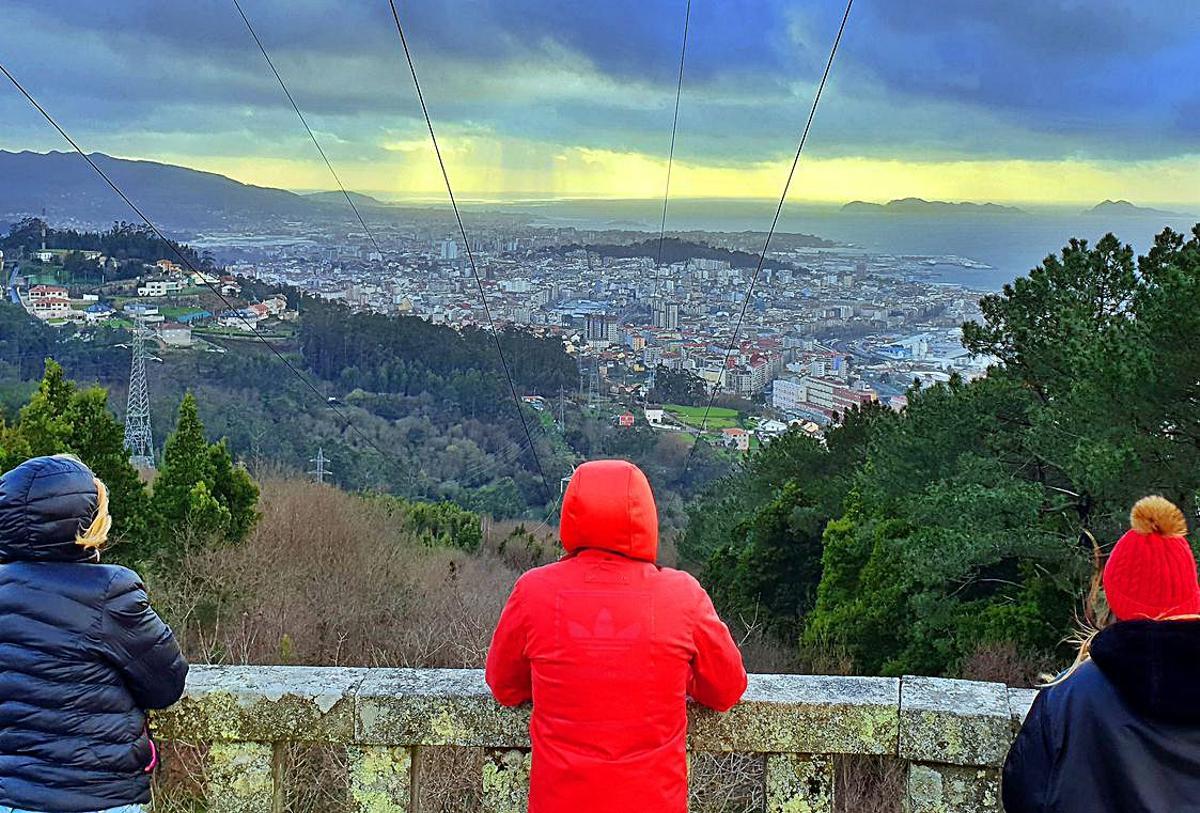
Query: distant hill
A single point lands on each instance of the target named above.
(338, 199)
(919, 206)
(1123, 208)
(174, 197)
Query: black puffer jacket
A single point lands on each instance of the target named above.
(1121, 735)
(81, 653)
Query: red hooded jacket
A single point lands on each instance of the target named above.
(608, 646)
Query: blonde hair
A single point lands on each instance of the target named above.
(1096, 616)
(95, 534)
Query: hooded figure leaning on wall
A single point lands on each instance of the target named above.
(82, 654)
(609, 646)
(1120, 731)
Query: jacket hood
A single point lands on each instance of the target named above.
(1155, 666)
(44, 503)
(609, 506)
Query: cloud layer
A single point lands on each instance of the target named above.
(549, 96)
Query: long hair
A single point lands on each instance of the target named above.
(1096, 616)
(95, 534)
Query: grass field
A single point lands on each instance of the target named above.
(718, 417)
(174, 313)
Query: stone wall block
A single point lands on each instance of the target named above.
(799, 784)
(953, 789)
(506, 781)
(240, 778)
(954, 722)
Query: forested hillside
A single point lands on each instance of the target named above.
(432, 414)
(957, 537)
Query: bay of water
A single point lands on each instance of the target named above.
(1010, 243)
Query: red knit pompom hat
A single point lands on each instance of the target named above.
(1151, 573)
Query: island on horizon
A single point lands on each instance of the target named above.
(920, 206)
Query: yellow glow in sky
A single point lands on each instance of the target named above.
(500, 168)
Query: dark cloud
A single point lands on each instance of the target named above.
(915, 78)
(1112, 73)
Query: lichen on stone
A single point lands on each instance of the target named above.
(799, 784)
(506, 781)
(380, 779)
(239, 778)
(954, 722)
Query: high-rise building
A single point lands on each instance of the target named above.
(666, 315)
(449, 249)
(602, 327)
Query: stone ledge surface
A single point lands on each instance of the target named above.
(264, 704)
(954, 722)
(804, 714)
(920, 719)
(435, 707)
(1019, 703)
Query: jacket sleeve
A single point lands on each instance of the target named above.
(1030, 761)
(508, 669)
(718, 678)
(141, 646)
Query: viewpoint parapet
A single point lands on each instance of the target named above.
(951, 734)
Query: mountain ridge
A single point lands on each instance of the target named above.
(175, 197)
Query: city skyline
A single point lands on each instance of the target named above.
(1012, 102)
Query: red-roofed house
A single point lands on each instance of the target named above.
(736, 438)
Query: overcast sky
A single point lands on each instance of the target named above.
(1013, 100)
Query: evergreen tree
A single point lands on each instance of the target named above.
(14, 449)
(235, 489)
(199, 489)
(967, 521)
(63, 419)
(99, 441)
(45, 421)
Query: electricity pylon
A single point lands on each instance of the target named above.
(139, 438)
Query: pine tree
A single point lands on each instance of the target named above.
(63, 419)
(99, 440)
(14, 449)
(199, 490)
(235, 489)
(44, 421)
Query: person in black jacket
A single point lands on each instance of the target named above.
(1120, 731)
(82, 654)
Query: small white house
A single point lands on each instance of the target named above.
(159, 287)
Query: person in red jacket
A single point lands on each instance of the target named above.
(609, 646)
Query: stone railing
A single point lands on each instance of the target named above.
(951, 734)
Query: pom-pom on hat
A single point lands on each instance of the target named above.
(1151, 573)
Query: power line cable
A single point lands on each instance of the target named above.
(311, 134)
(662, 229)
(770, 233)
(186, 261)
(470, 253)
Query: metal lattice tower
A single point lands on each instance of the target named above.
(139, 438)
(320, 472)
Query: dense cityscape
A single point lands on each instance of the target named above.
(828, 326)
